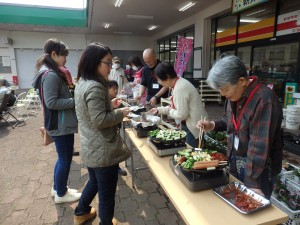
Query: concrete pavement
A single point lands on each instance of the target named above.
(26, 169)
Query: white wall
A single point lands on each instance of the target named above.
(77, 42)
(201, 21)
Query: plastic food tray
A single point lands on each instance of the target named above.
(243, 189)
(292, 214)
(289, 176)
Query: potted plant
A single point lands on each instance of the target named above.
(296, 173)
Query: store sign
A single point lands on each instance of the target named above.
(288, 23)
(185, 48)
(240, 5)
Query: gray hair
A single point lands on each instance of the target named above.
(227, 70)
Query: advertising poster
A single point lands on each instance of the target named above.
(184, 50)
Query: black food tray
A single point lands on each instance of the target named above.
(199, 181)
(139, 111)
(164, 150)
(142, 132)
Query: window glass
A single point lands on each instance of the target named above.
(244, 54)
(167, 45)
(5, 66)
(190, 35)
(173, 50)
(168, 50)
(287, 6)
(257, 23)
(161, 46)
(226, 30)
(288, 21)
(162, 57)
(212, 42)
(276, 65)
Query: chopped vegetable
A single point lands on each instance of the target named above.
(167, 135)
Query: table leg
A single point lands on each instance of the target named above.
(132, 164)
(124, 138)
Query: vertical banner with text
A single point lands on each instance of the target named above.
(184, 50)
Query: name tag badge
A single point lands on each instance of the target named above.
(236, 142)
(155, 86)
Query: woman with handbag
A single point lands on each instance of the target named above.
(60, 120)
(102, 148)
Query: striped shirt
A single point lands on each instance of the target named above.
(259, 133)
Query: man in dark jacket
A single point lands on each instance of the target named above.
(149, 80)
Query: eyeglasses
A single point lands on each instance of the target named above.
(107, 63)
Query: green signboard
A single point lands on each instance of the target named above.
(240, 5)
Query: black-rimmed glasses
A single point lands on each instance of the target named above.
(107, 63)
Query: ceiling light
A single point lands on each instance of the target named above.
(187, 6)
(249, 21)
(152, 27)
(140, 17)
(262, 10)
(220, 31)
(106, 25)
(118, 3)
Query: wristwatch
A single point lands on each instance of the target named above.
(156, 97)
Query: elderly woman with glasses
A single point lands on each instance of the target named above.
(253, 116)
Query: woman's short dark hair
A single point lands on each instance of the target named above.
(113, 83)
(53, 45)
(90, 60)
(165, 70)
(135, 60)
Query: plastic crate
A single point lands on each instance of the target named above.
(293, 214)
(292, 167)
(292, 222)
(289, 176)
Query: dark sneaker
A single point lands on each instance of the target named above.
(122, 172)
(76, 153)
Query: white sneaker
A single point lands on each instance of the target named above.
(68, 197)
(53, 192)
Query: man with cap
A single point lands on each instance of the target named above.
(117, 73)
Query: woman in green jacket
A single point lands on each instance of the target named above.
(102, 148)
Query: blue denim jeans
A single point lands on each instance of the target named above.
(190, 139)
(102, 180)
(64, 147)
